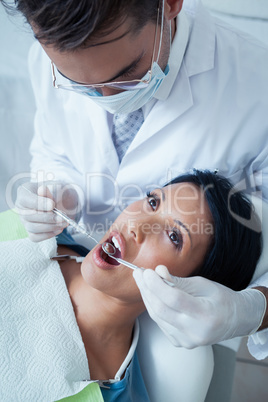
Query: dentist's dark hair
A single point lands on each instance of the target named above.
(71, 24)
(237, 241)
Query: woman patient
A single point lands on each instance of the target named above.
(195, 225)
(186, 226)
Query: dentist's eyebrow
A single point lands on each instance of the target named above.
(185, 228)
(67, 78)
(128, 68)
(131, 66)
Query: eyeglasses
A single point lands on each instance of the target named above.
(122, 85)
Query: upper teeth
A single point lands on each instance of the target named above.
(116, 244)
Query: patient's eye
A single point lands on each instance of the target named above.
(176, 238)
(153, 200)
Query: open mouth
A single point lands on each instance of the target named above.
(115, 252)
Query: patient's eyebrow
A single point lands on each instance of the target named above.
(185, 228)
(163, 194)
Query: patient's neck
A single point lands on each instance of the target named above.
(106, 324)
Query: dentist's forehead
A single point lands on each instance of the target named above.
(106, 58)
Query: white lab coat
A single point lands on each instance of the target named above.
(214, 117)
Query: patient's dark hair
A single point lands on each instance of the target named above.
(237, 242)
(70, 24)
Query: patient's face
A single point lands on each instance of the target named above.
(172, 226)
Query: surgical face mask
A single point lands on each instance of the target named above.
(129, 101)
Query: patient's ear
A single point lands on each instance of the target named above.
(172, 8)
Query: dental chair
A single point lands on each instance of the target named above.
(171, 374)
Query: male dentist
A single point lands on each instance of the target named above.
(129, 94)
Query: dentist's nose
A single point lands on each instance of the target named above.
(107, 91)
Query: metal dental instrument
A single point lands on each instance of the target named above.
(128, 264)
(65, 257)
(75, 225)
(81, 230)
(71, 222)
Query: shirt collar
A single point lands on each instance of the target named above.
(131, 351)
(126, 362)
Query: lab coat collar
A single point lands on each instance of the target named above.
(196, 61)
(200, 55)
(176, 56)
(101, 122)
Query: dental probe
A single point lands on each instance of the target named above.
(71, 222)
(105, 247)
(81, 230)
(75, 225)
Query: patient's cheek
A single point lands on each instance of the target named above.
(133, 210)
(150, 258)
(87, 267)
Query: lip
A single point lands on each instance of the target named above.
(97, 253)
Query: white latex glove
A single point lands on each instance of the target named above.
(35, 203)
(197, 311)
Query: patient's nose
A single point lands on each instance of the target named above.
(142, 229)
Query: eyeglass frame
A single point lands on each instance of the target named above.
(112, 84)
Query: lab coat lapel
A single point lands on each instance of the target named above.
(200, 55)
(165, 112)
(102, 131)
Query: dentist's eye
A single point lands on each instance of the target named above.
(176, 238)
(153, 200)
(129, 73)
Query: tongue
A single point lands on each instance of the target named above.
(111, 260)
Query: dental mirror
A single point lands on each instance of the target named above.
(108, 248)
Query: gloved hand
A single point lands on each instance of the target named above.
(35, 203)
(197, 311)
